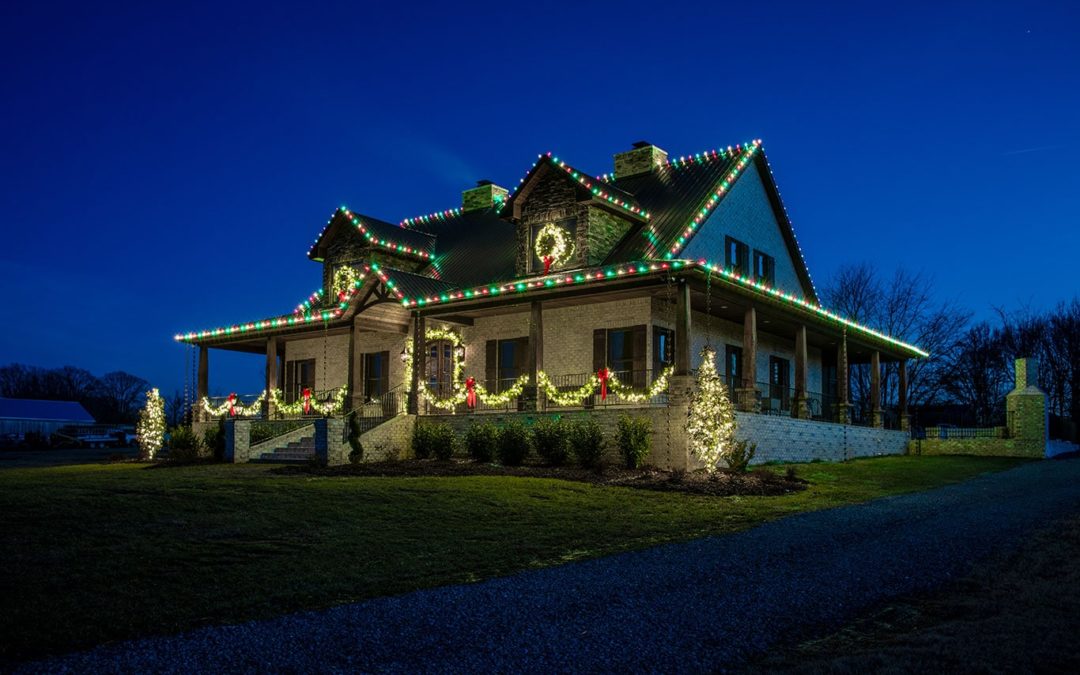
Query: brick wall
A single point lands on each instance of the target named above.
(336, 356)
(785, 439)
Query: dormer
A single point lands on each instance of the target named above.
(567, 219)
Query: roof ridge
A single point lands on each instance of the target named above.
(409, 223)
(586, 180)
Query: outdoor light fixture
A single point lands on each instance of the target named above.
(459, 353)
(404, 355)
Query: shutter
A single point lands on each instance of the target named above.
(641, 355)
(491, 365)
(599, 349)
(384, 376)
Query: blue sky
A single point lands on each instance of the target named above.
(165, 167)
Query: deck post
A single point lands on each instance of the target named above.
(876, 415)
(901, 396)
(536, 353)
(747, 395)
(271, 376)
(843, 406)
(202, 387)
(682, 329)
(419, 363)
(802, 402)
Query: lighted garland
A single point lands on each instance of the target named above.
(150, 431)
(233, 406)
(553, 246)
(622, 390)
(335, 404)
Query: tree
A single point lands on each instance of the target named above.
(979, 373)
(150, 430)
(711, 417)
(176, 409)
(118, 395)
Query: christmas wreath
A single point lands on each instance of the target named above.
(553, 246)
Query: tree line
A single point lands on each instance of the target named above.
(111, 398)
(970, 362)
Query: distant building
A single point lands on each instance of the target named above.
(19, 416)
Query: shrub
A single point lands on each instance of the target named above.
(587, 442)
(214, 440)
(433, 438)
(513, 445)
(481, 440)
(183, 444)
(550, 440)
(357, 452)
(633, 439)
(740, 455)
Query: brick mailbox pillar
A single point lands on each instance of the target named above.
(1026, 411)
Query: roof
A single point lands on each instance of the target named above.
(607, 194)
(472, 247)
(377, 233)
(33, 409)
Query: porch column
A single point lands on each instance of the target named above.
(747, 395)
(536, 352)
(843, 406)
(901, 397)
(876, 415)
(419, 363)
(352, 399)
(802, 403)
(271, 375)
(202, 386)
(682, 329)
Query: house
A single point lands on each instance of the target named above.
(22, 416)
(576, 292)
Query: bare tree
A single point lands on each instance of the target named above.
(979, 374)
(119, 396)
(175, 409)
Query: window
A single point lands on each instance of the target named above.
(737, 254)
(733, 365)
(764, 267)
(779, 383)
(663, 349)
(623, 351)
(299, 375)
(376, 375)
(507, 360)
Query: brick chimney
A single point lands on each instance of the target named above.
(644, 158)
(483, 196)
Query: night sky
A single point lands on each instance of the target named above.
(167, 169)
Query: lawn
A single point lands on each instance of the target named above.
(103, 552)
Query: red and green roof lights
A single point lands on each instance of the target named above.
(430, 218)
(644, 267)
(714, 199)
(370, 236)
(595, 186)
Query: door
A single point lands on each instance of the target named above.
(779, 383)
(440, 367)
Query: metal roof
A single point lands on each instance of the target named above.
(472, 247)
(33, 409)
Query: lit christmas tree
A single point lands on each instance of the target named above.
(151, 429)
(711, 420)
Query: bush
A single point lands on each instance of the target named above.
(214, 440)
(357, 451)
(433, 438)
(633, 439)
(550, 441)
(481, 440)
(513, 445)
(587, 442)
(741, 454)
(183, 444)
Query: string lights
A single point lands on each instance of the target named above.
(368, 235)
(150, 432)
(599, 189)
(710, 422)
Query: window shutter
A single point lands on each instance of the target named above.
(491, 370)
(599, 348)
(641, 355)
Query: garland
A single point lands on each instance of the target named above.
(624, 391)
(307, 403)
(233, 406)
(553, 246)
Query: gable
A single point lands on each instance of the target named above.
(746, 213)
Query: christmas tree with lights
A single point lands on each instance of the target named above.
(711, 418)
(151, 429)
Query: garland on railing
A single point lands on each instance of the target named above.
(233, 406)
(307, 403)
(603, 378)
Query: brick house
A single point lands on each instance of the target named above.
(580, 294)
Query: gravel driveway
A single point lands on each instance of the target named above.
(697, 606)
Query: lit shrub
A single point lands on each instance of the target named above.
(481, 440)
(550, 440)
(586, 442)
(513, 445)
(633, 439)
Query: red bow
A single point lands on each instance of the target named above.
(603, 374)
(548, 260)
(232, 404)
(307, 400)
(470, 392)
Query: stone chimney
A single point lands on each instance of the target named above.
(1027, 372)
(483, 196)
(644, 158)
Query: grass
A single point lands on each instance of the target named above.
(94, 553)
(1015, 613)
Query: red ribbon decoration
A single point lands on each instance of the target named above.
(548, 260)
(470, 392)
(307, 400)
(232, 404)
(603, 375)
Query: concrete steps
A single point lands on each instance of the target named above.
(294, 452)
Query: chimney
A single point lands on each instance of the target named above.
(642, 159)
(485, 195)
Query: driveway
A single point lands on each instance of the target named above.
(699, 606)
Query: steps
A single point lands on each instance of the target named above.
(294, 452)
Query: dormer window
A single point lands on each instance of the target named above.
(738, 256)
(764, 268)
